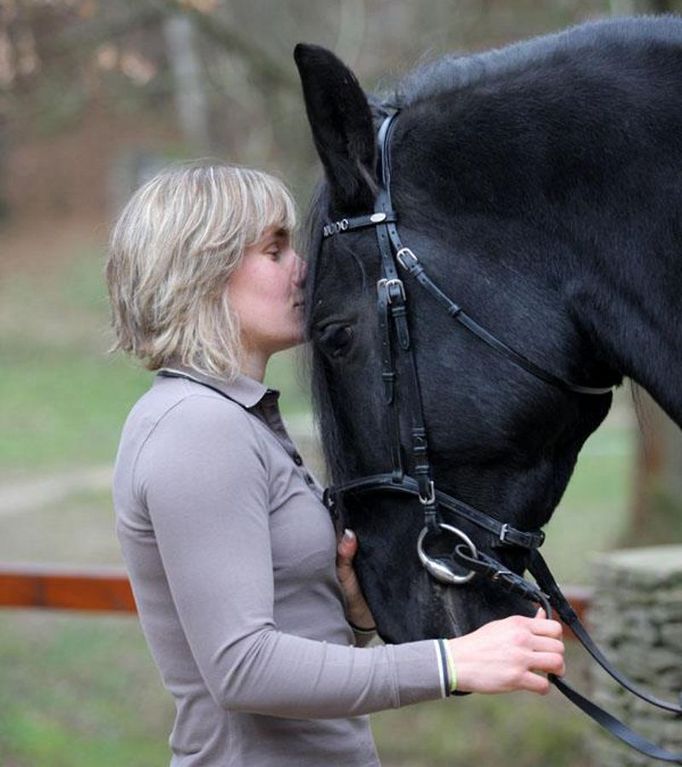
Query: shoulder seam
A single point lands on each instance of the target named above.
(162, 417)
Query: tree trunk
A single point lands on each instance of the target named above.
(191, 102)
(657, 499)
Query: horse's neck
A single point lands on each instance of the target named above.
(625, 279)
(627, 301)
(601, 174)
(618, 208)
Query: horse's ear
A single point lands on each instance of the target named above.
(341, 122)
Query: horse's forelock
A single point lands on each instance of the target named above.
(328, 425)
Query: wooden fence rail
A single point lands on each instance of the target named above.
(65, 587)
(68, 587)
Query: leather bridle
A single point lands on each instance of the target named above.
(399, 373)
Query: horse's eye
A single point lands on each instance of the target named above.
(336, 339)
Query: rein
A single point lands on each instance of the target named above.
(398, 367)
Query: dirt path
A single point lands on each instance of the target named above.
(37, 492)
(30, 493)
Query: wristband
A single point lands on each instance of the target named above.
(452, 669)
(358, 630)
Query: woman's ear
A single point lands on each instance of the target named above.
(341, 122)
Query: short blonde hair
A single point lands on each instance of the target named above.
(171, 253)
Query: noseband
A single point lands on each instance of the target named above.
(399, 369)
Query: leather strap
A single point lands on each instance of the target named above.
(413, 266)
(613, 725)
(547, 596)
(543, 575)
(357, 222)
(503, 533)
(389, 376)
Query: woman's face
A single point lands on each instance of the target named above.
(266, 294)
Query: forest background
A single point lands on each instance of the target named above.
(95, 96)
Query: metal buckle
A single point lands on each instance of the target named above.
(503, 534)
(440, 571)
(504, 537)
(386, 285)
(503, 575)
(400, 256)
(431, 497)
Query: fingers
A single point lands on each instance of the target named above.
(548, 663)
(535, 683)
(345, 551)
(534, 680)
(544, 627)
(547, 648)
(546, 644)
(357, 610)
(347, 547)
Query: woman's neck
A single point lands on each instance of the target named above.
(254, 364)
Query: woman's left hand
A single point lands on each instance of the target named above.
(357, 611)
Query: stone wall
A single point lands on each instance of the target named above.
(636, 619)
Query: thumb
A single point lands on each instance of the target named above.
(540, 613)
(348, 546)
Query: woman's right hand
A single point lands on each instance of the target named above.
(510, 654)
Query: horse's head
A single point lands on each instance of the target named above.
(470, 185)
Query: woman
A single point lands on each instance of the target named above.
(229, 549)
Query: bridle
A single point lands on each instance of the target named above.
(399, 368)
(399, 373)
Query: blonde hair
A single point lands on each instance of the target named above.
(171, 253)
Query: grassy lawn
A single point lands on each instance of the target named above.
(79, 692)
(82, 691)
(64, 398)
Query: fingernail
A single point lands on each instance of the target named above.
(348, 535)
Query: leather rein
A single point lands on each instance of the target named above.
(399, 368)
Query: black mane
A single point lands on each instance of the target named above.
(458, 71)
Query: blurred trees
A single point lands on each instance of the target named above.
(218, 74)
(134, 82)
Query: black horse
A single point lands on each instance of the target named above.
(540, 187)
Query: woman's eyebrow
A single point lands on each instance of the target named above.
(276, 237)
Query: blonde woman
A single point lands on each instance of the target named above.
(230, 551)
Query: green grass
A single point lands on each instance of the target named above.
(64, 397)
(486, 730)
(63, 409)
(80, 691)
(83, 691)
(593, 513)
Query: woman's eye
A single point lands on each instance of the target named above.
(335, 340)
(274, 254)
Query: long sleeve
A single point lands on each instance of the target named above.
(205, 478)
